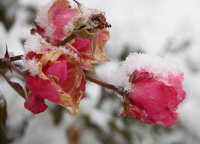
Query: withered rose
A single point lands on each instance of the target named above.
(58, 23)
(60, 79)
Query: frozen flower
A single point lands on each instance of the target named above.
(59, 78)
(57, 20)
(153, 88)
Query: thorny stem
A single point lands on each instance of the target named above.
(14, 67)
(19, 57)
(103, 84)
(15, 58)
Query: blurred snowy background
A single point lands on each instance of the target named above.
(169, 28)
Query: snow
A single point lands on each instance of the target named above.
(158, 67)
(142, 25)
(33, 43)
(32, 66)
(68, 51)
(43, 20)
(69, 27)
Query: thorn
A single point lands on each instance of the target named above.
(6, 54)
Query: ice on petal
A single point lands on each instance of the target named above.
(32, 66)
(43, 20)
(33, 43)
(157, 67)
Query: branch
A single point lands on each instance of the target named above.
(103, 84)
(14, 67)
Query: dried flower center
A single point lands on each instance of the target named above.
(99, 21)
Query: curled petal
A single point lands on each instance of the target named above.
(71, 88)
(84, 48)
(58, 69)
(35, 104)
(43, 88)
(59, 15)
(158, 100)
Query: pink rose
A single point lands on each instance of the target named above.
(153, 88)
(60, 79)
(153, 101)
(58, 24)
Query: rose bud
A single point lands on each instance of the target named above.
(153, 88)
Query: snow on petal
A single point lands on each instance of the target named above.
(157, 67)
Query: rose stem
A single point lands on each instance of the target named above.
(103, 84)
(19, 57)
(68, 39)
(14, 67)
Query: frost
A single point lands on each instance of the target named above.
(43, 20)
(69, 27)
(87, 13)
(68, 51)
(157, 67)
(33, 43)
(32, 66)
(49, 32)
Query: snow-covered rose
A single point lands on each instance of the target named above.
(56, 76)
(154, 88)
(56, 21)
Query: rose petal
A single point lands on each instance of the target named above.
(32, 55)
(43, 88)
(155, 98)
(58, 69)
(60, 14)
(35, 104)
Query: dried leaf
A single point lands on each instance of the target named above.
(94, 43)
(17, 87)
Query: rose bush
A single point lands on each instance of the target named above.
(56, 21)
(60, 78)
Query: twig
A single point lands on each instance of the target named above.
(103, 84)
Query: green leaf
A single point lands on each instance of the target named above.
(3, 113)
(83, 33)
(17, 87)
(94, 43)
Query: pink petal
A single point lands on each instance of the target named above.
(40, 30)
(156, 99)
(43, 88)
(35, 104)
(139, 114)
(32, 55)
(176, 82)
(58, 69)
(82, 45)
(61, 15)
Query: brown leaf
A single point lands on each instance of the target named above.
(17, 87)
